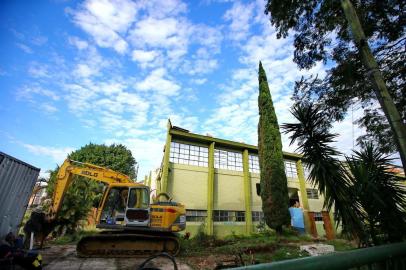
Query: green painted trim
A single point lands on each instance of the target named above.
(165, 169)
(221, 142)
(210, 191)
(303, 194)
(247, 193)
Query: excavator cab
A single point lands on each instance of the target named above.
(138, 209)
(125, 206)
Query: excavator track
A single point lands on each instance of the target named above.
(126, 245)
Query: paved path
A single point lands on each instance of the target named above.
(63, 257)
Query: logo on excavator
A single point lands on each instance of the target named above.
(89, 173)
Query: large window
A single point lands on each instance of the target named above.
(306, 170)
(196, 215)
(224, 216)
(253, 163)
(318, 216)
(290, 169)
(312, 193)
(257, 216)
(227, 160)
(189, 154)
(240, 216)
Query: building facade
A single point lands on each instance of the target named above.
(218, 182)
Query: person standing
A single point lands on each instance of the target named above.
(296, 214)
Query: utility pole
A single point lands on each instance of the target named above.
(381, 91)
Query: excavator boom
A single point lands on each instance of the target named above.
(69, 168)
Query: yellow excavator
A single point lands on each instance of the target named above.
(130, 224)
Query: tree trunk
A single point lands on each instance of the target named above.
(381, 91)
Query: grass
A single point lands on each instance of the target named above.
(341, 244)
(260, 242)
(259, 248)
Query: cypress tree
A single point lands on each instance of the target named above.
(274, 185)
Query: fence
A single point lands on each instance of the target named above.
(388, 257)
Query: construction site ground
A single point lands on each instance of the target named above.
(198, 253)
(63, 257)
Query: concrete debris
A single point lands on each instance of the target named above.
(317, 249)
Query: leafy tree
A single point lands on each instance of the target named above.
(367, 198)
(274, 185)
(82, 193)
(321, 34)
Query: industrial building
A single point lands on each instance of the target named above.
(218, 182)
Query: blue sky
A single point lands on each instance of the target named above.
(74, 72)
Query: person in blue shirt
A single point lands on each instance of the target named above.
(296, 214)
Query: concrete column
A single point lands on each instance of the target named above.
(303, 195)
(333, 223)
(210, 192)
(150, 178)
(165, 167)
(247, 193)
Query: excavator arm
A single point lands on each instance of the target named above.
(70, 168)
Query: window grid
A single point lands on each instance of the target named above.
(257, 216)
(306, 170)
(189, 154)
(228, 160)
(196, 215)
(312, 193)
(290, 169)
(227, 216)
(318, 216)
(240, 216)
(253, 163)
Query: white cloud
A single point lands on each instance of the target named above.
(199, 66)
(164, 33)
(199, 81)
(28, 92)
(79, 98)
(48, 108)
(161, 9)
(114, 14)
(106, 21)
(25, 48)
(78, 43)
(39, 40)
(83, 70)
(206, 36)
(240, 16)
(38, 70)
(57, 154)
(90, 64)
(144, 56)
(157, 81)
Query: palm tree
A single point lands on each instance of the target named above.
(367, 199)
(380, 193)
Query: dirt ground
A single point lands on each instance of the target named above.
(61, 257)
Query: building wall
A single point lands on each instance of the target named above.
(228, 190)
(188, 184)
(255, 198)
